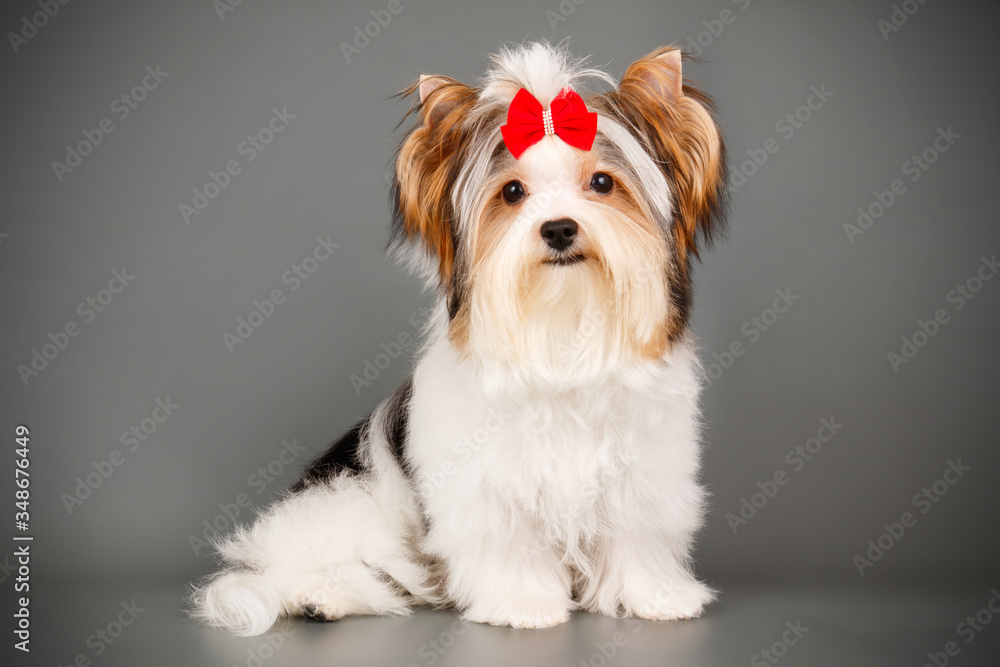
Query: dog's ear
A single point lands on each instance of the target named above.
(427, 84)
(675, 121)
(426, 168)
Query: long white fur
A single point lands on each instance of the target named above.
(552, 467)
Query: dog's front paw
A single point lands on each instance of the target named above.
(672, 602)
(525, 612)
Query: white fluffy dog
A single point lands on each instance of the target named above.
(544, 455)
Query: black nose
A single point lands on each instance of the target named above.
(559, 234)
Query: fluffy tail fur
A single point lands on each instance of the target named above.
(324, 552)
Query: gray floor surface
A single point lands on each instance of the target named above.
(884, 626)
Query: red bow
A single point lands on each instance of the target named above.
(567, 117)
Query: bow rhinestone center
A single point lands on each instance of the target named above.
(547, 122)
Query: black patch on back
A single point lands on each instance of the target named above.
(342, 456)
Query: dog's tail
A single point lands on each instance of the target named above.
(239, 602)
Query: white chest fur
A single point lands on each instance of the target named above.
(570, 464)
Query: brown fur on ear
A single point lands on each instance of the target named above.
(675, 119)
(426, 167)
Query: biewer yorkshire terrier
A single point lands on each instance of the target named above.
(544, 455)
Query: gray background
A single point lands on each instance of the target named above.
(325, 175)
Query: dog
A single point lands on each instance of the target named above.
(543, 456)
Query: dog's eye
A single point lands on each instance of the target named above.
(513, 192)
(601, 183)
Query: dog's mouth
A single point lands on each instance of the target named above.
(567, 260)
